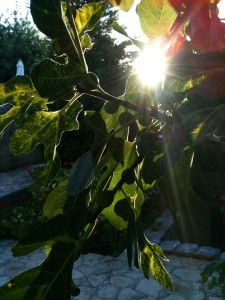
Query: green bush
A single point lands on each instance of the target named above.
(214, 275)
(18, 220)
(24, 209)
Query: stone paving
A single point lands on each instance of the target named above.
(15, 180)
(104, 277)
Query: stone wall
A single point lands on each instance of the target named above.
(7, 160)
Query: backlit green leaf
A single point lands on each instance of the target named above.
(145, 263)
(159, 273)
(122, 4)
(86, 42)
(130, 236)
(157, 250)
(56, 200)
(50, 19)
(123, 155)
(20, 93)
(14, 114)
(88, 16)
(150, 262)
(178, 85)
(55, 80)
(156, 17)
(150, 149)
(117, 221)
(138, 199)
(119, 121)
(45, 127)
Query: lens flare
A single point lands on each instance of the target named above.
(150, 65)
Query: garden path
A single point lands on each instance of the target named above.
(104, 277)
(14, 181)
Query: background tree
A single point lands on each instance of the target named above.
(19, 39)
(109, 58)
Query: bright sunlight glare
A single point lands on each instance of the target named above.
(150, 65)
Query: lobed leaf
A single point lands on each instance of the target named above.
(109, 212)
(55, 80)
(150, 255)
(125, 155)
(45, 127)
(50, 19)
(156, 17)
(87, 17)
(122, 156)
(20, 93)
(48, 281)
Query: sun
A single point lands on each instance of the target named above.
(150, 65)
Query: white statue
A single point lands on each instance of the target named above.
(20, 68)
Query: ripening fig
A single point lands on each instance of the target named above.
(144, 119)
(111, 107)
(124, 118)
